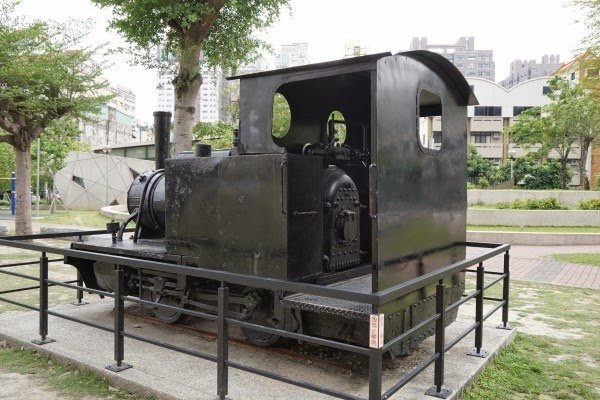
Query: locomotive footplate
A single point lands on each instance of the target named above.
(342, 308)
(144, 248)
(348, 321)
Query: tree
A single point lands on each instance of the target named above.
(477, 166)
(218, 30)
(218, 134)
(536, 174)
(44, 76)
(572, 117)
(592, 23)
(60, 138)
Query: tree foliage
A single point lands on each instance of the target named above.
(591, 9)
(7, 166)
(531, 173)
(572, 117)
(221, 31)
(45, 75)
(61, 137)
(218, 134)
(477, 166)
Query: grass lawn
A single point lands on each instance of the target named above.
(93, 219)
(549, 229)
(65, 380)
(579, 258)
(556, 354)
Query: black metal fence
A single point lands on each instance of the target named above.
(224, 321)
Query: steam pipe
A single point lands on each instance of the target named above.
(162, 121)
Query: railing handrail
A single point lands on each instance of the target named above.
(377, 299)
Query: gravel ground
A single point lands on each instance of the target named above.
(24, 387)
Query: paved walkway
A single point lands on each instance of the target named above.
(534, 263)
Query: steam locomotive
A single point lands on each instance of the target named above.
(368, 179)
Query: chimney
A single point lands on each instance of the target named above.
(162, 122)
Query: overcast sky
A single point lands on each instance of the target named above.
(513, 29)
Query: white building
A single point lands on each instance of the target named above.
(114, 124)
(499, 108)
(292, 55)
(207, 100)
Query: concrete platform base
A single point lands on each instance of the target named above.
(535, 238)
(170, 375)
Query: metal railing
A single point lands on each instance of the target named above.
(224, 321)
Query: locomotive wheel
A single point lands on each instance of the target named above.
(259, 311)
(168, 316)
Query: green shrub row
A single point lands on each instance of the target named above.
(550, 203)
(593, 204)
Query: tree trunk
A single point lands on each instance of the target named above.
(23, 190)
(583, 181)
(185, 108)
(563, 173)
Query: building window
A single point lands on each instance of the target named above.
(78, 180)
(519, 109)
(593, 72)
(481, 137)
(488, 111)
(430, 108)
(572, 76)
(546, 90)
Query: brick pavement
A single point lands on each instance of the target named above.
(533, 263)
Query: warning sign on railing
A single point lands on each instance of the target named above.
(376, 331)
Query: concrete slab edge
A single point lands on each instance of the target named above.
(113, 378)
(534, 238)
(488, 360)
(132, 386)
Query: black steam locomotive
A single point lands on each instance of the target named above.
(368, 179)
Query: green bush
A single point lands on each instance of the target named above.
(4, 203)
(550, 203)
(483, 183)
(593, 204)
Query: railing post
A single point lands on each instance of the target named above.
(119, 339)
(477, 352)
(79, 301)
(505, 293)
(375, 354)
(44, 339)
(222, 341)
(440, 342)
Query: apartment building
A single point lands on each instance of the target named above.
(523, 70)
(114, 123)
(462, 53)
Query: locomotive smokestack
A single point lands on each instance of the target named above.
(162, 121)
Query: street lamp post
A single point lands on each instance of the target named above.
(106, 149)
(511, 155)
